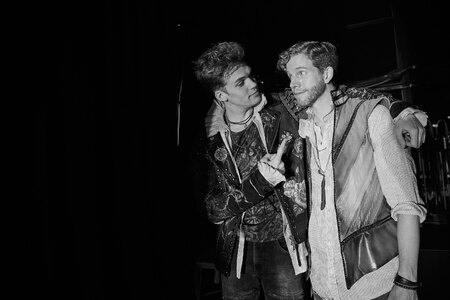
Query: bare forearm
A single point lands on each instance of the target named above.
(408, 235)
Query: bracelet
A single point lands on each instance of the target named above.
(405, 283)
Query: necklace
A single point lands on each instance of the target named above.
(238, 139)
(321, 169)
(243, 122)
(241, 133)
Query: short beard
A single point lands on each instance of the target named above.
(313, 94)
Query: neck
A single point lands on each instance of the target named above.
(237, 114)
(238, 118)
(323, 105)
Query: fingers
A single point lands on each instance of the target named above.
(281, 168)
(401, 137)
(415, 136)
(267, 158)
(274, 160)
(421, 135)
(412, 132)
(412, 138)
(280, 151)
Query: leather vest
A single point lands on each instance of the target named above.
(367, 233)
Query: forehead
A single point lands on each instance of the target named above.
(299, 61)
(242, 71)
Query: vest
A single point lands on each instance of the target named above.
(367, 233)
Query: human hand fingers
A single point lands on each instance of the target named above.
(415, 132)
(409, 132)
(280, 151)
(267, 158)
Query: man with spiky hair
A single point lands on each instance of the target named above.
(260, 241)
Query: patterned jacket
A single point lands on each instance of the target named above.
(229, 197)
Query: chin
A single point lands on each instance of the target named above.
(257, 98)
(304, 104)
(301, 102)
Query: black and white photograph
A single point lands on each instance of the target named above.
(253, 150)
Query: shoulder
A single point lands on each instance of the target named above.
(380, 119)
(270, 112)
(363, 98)
(367, 94)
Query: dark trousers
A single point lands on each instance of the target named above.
(266, 266)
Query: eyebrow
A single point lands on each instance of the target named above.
(240, 79)
(300, 68)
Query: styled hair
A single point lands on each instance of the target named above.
(322, 55)
(217, 63)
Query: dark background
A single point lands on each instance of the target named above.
(116, 203)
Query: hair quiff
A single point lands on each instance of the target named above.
(217, 63)
(322, 55)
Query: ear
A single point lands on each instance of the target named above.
(221, 96)
(328, 74)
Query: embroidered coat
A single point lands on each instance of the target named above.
(229, 196)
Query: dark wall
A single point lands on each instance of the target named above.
(114, 211)
(117, 200)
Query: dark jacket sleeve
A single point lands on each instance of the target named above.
(227, 198)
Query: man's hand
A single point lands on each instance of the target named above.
(399, 293)
(274, 160)
(410, 132)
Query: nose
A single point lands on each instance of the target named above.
(294, 83)
(252, 84)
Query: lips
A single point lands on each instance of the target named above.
(296, 93)
(256, 93)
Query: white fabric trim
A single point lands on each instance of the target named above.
(272, 175)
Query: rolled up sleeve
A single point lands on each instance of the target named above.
(395, 167)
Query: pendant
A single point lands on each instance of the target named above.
(323, 197)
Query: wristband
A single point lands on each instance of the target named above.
(405, 283)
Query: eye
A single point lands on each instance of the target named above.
(240, 83)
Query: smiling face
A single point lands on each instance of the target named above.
(306, 81)
(240, 89)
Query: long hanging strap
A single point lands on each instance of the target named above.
(240, 250)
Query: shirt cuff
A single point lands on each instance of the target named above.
(272, 175)
(409, 208)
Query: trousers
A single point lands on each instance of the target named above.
(267, 269)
